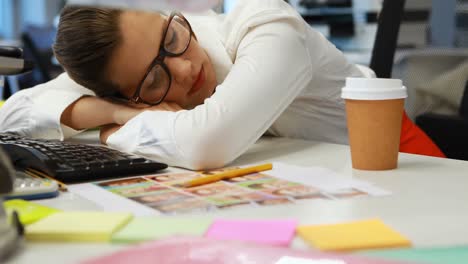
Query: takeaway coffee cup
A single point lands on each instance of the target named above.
(374, 110)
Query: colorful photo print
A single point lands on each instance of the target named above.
(297, 191)
(160, 197)
(122, 183)
(172, 178)
(139, 190)
(231, 205)
(274, 201)
(249, 178)
(184, 205)
(223, 201)
(162, 193)
(267, 185)
(244, 197)
(214, 189)
(254, 196)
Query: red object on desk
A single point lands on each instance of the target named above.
(413, 140)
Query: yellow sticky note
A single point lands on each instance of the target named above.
(28, 212)
(365, 234)
(77, 227)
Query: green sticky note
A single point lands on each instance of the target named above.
(77, 227)
(446, 255)
(28, 212)
(150, 228)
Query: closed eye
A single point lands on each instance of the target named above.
(154, 82)
(172, 38)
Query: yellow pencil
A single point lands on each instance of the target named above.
(37, 176)
(227, 175)
(62, 186)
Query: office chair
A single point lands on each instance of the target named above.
(450, 133)
(37, 44)
(12, 63)
(386, 38)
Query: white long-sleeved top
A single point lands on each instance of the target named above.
(276, 74)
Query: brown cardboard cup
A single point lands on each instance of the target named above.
(374, 109)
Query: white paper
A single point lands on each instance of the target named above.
(109, 201)
(318, 177)
(330, 184)
(373, 190)
(323, 179)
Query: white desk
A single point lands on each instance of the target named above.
(429, 202)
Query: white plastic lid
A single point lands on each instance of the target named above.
(373, 89)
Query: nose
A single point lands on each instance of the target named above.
(180, 68)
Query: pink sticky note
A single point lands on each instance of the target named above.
(270, 232)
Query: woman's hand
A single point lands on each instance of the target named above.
(106, 131)
(129, 111)
(125, 112)
(90, 111)
(165, 106)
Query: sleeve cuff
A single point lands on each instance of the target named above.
(50, 106)
(149, 134)
(51, 103)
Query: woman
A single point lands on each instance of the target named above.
(196, 94)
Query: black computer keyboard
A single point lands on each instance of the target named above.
(73, 162)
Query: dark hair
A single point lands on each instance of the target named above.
(86, 40)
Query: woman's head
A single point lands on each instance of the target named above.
(86, 40)
(111, 52)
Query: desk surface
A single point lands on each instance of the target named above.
(428, 205)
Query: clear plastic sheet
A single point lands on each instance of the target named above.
(198, 250)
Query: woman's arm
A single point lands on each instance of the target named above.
(36, 112)
(45, 111)
(123, 115)
(90, 111)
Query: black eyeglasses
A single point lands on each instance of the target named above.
(155, 85)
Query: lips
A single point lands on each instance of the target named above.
(198, 82)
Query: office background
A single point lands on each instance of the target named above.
(431, 56)
(349, 24)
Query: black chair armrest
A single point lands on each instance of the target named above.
(450, 133)
(11, 52)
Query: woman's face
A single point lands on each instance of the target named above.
(193, 76)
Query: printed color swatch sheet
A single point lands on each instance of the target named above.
(161, 192)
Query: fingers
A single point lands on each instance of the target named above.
(106, 131)
(139, 105)
(127, 102)
(167, 106)
(163, 106)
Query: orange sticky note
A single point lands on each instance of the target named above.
(364, 234)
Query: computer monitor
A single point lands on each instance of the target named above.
(338, 15)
